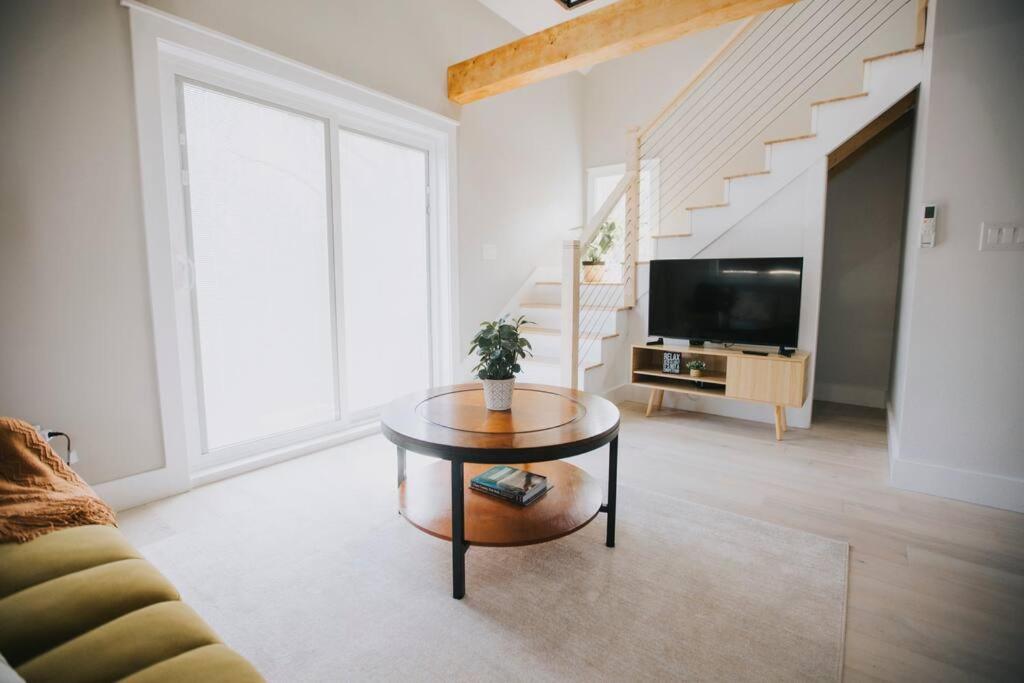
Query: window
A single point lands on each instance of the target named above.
(384, 255)
(300, 249)
(602, 180)
(260, 239)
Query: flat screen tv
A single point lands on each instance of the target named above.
(741, 301)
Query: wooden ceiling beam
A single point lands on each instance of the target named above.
(613, 31)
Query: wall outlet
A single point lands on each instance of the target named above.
(490, 252)
(1001, 237)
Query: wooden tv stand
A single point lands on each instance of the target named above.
(775, 379)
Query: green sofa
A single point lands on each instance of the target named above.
(81, 605)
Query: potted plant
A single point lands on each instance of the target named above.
(597, 249)
(696, 367)
(500, 347)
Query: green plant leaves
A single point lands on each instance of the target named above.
(499, 348)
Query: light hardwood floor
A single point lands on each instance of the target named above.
(936, 586)
(936, 590)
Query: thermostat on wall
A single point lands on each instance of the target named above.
(929, 214)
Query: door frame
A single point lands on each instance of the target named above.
(166, 48)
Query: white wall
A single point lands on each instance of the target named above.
(76, 347)
(864, 225)
(632, 90)
(957, 415)
(521, 188)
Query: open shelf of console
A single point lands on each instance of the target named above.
(731, 374)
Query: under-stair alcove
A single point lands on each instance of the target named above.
(865, 219)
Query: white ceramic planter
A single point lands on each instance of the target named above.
(498, 393)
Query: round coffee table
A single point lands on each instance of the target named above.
(545, 424)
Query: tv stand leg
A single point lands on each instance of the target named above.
(650, 402)
(780, 422)
(661, 397)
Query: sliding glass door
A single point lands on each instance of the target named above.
(384, 265)
(309, 271)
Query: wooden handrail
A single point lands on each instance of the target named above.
(570, 313)
(744, 28)
(922, 22)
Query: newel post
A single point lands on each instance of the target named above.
(631, 248)
(570, 313)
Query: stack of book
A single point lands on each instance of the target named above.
(511, 484)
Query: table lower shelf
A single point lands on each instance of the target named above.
(424, 500)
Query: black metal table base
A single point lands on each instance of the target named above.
(459, 543)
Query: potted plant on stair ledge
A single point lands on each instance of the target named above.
(500, 347)
(597, 249)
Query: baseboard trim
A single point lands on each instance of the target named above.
(618, 394)
(980, 488)
(139, 489)
(850, 394)
(990, 490)
(218, 472)
(750, 411)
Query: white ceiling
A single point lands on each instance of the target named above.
(530, 16)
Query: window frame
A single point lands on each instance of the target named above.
(166, 49)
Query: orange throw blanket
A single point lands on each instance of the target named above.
(38, 492)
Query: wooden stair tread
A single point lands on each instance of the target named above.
(582, 284)
(553, 332)
(841, 98)
(707, 206)
(746, 175)
(794, 138)
(547, 360)
(588, 308)
(672, 234)
(897, 53)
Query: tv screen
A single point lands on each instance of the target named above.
(742, 301)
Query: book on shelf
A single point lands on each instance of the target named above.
(511, 484)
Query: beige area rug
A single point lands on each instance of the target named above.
(308, 571)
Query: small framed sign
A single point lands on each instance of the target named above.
(671, 362)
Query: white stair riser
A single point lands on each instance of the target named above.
(745, 184)
(550, 345)
(552, 294)
(546, 373)
(540, 373)
(606, 322)
(881, 72)
(793, 156)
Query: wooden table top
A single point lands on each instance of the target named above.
(545, 423)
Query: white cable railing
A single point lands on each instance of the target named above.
(773, 61)
(769, 63)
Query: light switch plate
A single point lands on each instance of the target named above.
(490, 252)
(1001, 237)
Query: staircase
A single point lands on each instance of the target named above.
(542, 306)
(771, 61)
(887, 81)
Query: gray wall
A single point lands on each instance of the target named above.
(864, 225)
(76, 346)
(957, 416)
